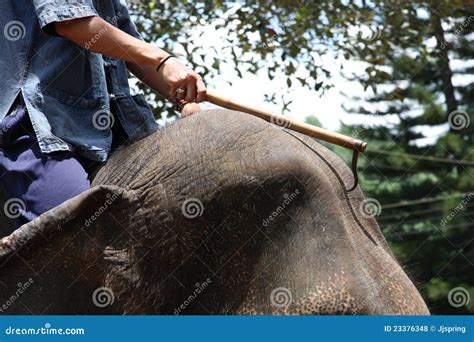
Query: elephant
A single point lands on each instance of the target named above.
(219, 213)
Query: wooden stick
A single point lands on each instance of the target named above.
(280, 120)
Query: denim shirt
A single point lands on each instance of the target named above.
(65, 87)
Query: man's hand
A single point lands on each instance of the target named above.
(184, 83)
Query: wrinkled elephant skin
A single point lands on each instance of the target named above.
(219, 213)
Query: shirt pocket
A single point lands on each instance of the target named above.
(73, 101)
(74, 119)
(134, 114)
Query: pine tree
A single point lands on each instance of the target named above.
(419, 65)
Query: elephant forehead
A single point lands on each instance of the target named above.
(209, 148)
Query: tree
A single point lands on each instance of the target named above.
(278, 37)
(409, 48)
(410, 71)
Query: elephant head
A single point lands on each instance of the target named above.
(219, 213)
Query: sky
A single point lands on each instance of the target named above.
(327, 107)
(250, 89)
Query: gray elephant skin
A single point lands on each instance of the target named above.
(219, 213)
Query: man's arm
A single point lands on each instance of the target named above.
(142, 58)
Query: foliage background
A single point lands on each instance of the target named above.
(414, 54)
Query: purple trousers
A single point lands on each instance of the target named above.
(31, 181)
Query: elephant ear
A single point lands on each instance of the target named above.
(61, 252)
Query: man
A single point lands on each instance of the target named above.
(65, 96)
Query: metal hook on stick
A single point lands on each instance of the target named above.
(358, 146)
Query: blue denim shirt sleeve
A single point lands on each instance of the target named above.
(63, 86)
(50, 11)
